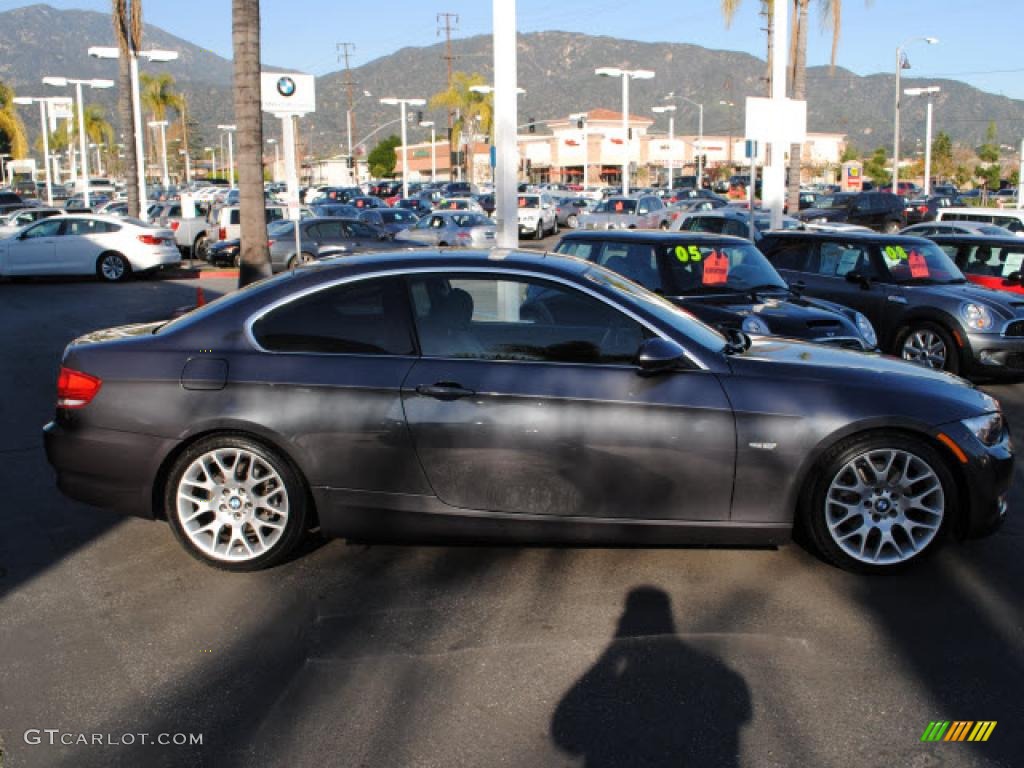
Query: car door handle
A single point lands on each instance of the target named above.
(445, 390)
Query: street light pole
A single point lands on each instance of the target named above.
(63, 82)
(700, 139)
(403, 103)
(162, 125)
(902, 62)
(671, 136)
(927, 131)
(46, 140)
(229, 130)
(433, 139)
(626, 75)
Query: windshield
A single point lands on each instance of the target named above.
(529, 201)
(616, 205)
(663, 309)
(279, 227)
(470, 220)
(920, 263)
(701, 269)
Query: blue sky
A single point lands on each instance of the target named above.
(979, 42)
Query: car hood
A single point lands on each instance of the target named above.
(1004, 304)
(785, 315)
(943, 396)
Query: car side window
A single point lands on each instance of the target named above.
(637, 261)
(521, 320)
(46, 228)
(736, 228)
(579, 249)
(368, 317)
(712, 224)
(85, 227)
(792, 257)
(839, 259)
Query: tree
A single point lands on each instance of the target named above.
(877, 167)
(12, 130)
(942, 156)
(245, 39)
(382, 159)
(128, 31)
(158, 95)
(849, 153)
(989, 151)
(472, 108)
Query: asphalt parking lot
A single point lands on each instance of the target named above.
(357, 654)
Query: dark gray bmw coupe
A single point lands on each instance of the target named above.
(510, 395)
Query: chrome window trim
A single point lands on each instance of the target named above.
(257, 315)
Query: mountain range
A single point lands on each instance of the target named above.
(555, 68)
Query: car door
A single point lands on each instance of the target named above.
(829, 274)
(34, 251)
(526, 402)
(80, 245)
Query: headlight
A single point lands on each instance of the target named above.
(755, 326)
(989, 428)
(866, 329)
(976, 316)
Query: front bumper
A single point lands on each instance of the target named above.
(105, 468)
(992, 354)
(988, 473)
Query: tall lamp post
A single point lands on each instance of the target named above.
(671, 110)
(165, 179)
(626, 75)
(700, 139)
(403, 103)
(582, 123)
(927, 91)
(213, 158)
(902, 62)
(348, 120)
(42, 102)
(63, 82)
(433, 147)
(230, 131)
(730, 105)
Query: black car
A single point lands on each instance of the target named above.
(919, 302)
(532, 397)
(457, 189)
(486, 202)
(880, 211)
(342, 210)
(342, 195)
(391, 220)
(9, 201)
(418, 205)
(927, 208)
(225, 253)
(724, 281)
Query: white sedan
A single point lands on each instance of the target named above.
(111, 248)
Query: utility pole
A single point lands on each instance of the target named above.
(448, 23)
(344, 51)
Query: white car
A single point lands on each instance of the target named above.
(537, 215)
(83, 244)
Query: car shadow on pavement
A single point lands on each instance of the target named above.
(651, 699)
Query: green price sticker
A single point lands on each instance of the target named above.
(895, 253)
(687, 253)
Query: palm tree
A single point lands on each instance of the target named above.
(245, 38)
(470, 107)
(128, 31)
(158, 95)
(11, 127)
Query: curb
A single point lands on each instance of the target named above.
(203, 274)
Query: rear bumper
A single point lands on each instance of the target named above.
(105, 468)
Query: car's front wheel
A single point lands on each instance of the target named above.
(929, 344)
(572, 221)
(879, 501)
(235, 504)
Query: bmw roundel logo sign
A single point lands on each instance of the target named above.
(286, 86)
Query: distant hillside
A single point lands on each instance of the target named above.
(555, 68)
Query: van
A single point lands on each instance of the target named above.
(1008, 218)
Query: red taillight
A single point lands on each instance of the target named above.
(150, 240)
(175, 225)
(222, 234)
(76, 389)
(922, 209)
(462, 236)
(270, 243)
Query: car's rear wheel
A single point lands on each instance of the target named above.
(235, 504)
(879, 502)
(539, 233)
(201, 248)
(299, 259)
(113, 267)
(929, 344)
(572, 221)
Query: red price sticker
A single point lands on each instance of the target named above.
(618, 206)
(716, 268)
(918, 265)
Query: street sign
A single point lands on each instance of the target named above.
(494, 156)
(750, 149)
(287, 93)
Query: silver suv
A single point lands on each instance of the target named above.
(537, 215)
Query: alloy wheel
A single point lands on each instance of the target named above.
(232, 504)
(884, 506)
(112, 267)
(925, 347)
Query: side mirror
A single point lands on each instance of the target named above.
(659, 355)
(860, 279)
(1014, 278)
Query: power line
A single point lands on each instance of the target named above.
(344, 51)
(448, 23)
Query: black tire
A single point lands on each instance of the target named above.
(299, 259)
(201, 248)
(539, 233)
(816, 506)
(663, 225)
(442, 244)
(295, 492)
(952, 351)
(237, 260)
(112, 267)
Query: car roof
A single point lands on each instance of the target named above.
(978, 239)
(445, 259)
(846, 235)
(653, 236)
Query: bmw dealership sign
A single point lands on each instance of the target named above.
(288, 93)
